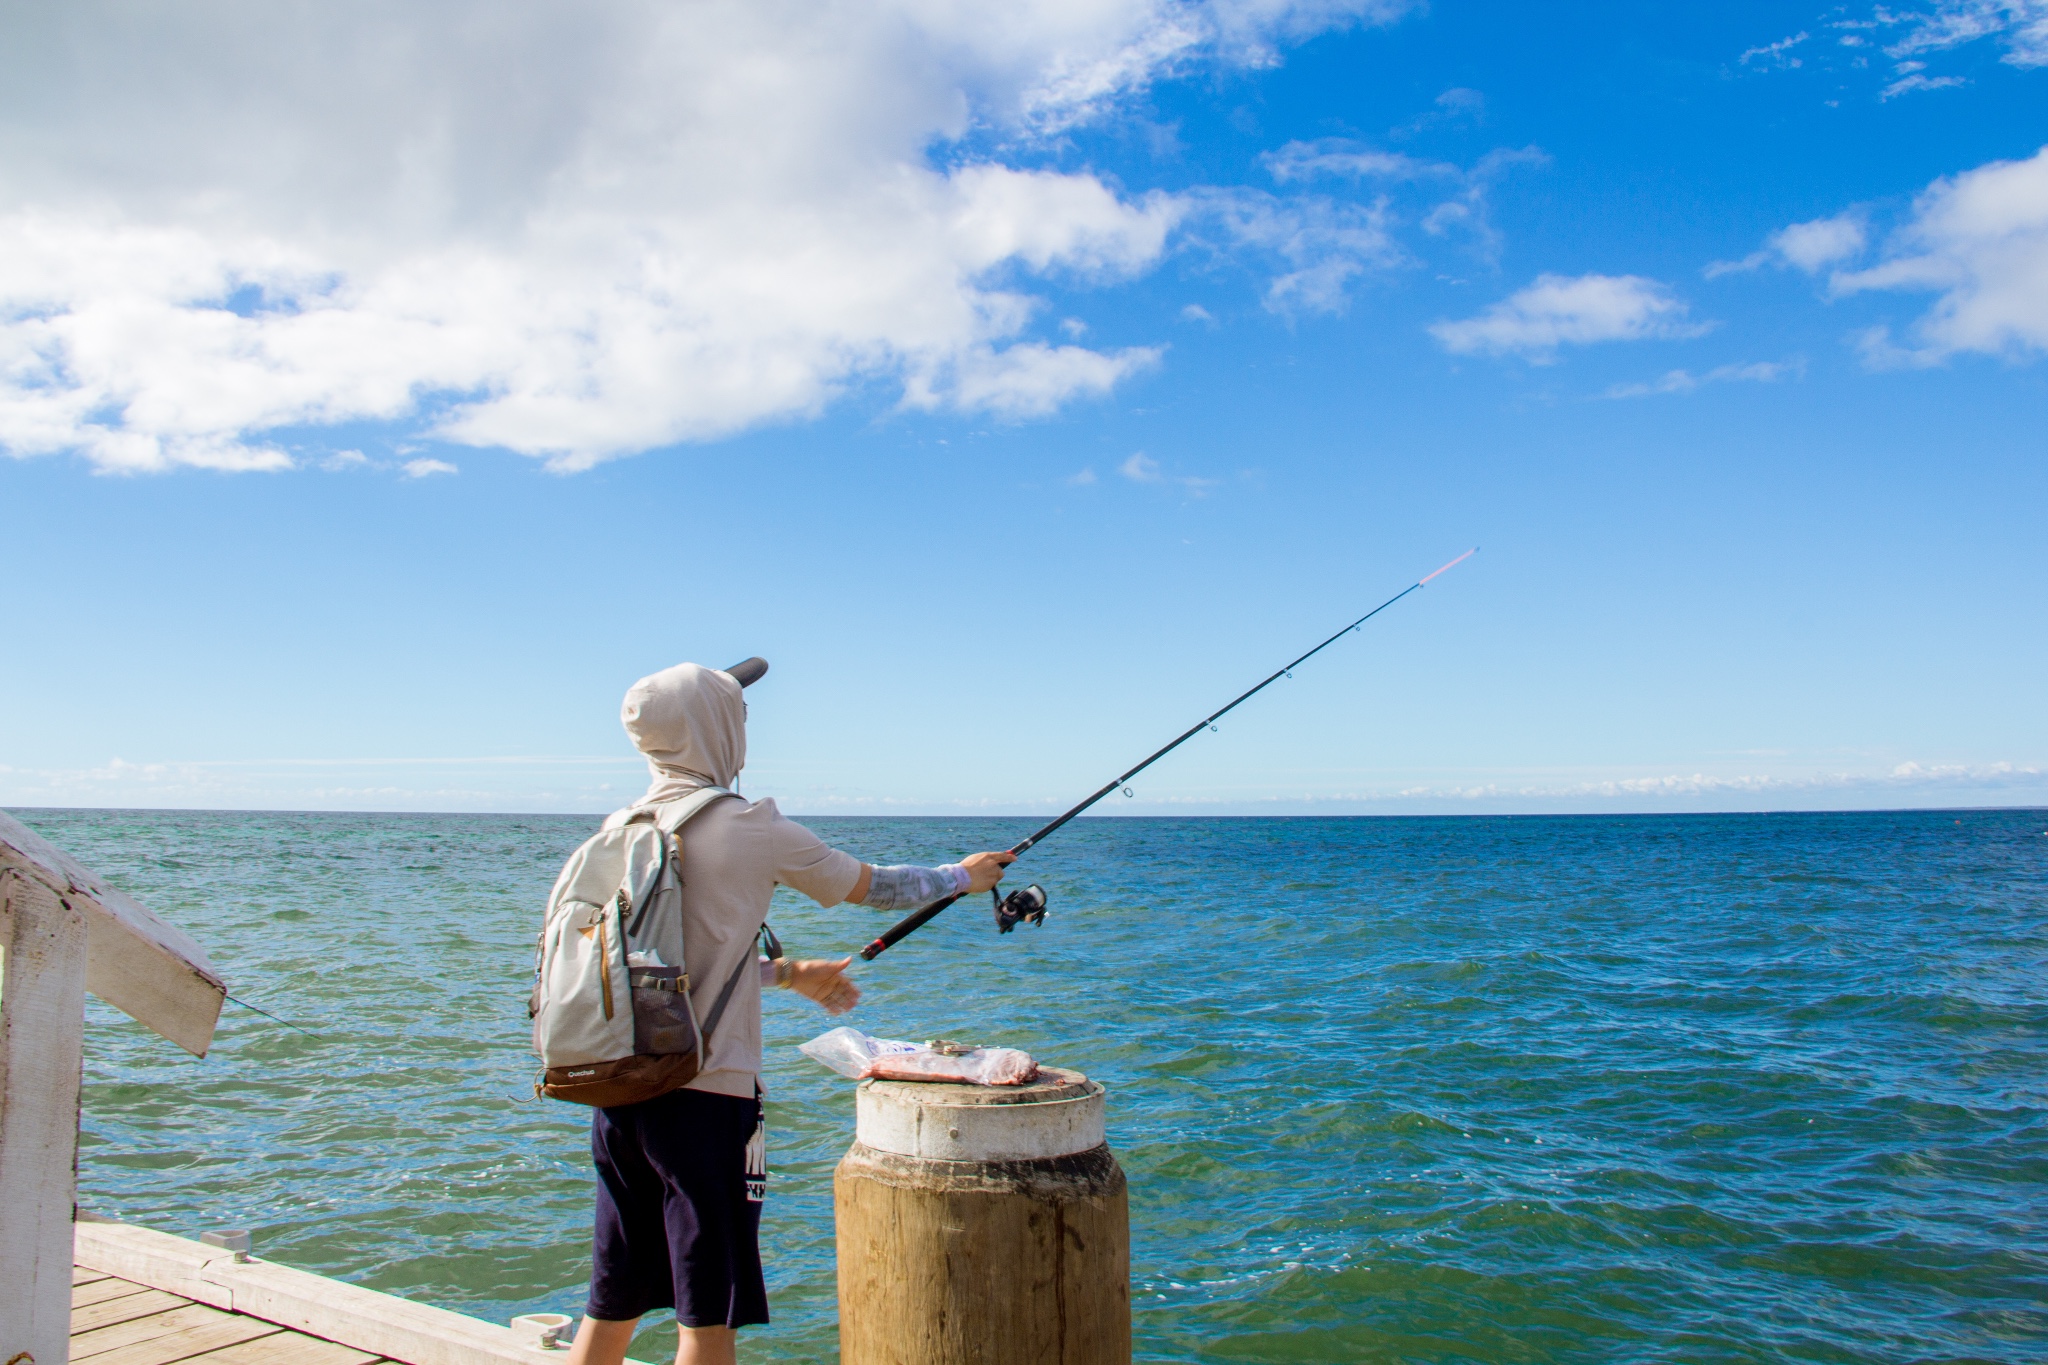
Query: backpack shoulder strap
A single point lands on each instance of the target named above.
(725, 996)
(673, 815)
(669, 816)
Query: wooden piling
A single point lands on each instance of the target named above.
(983, 1224)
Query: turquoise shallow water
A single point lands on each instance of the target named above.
(1702, 1089)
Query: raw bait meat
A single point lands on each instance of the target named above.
(854, 1054)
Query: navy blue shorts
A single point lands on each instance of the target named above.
(679, 1184)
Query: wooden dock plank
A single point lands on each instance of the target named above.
(81, 1275)
(110, 1311)
(90, 1342)
(99, 1291)
(225, 1330)
(287, 1348)
(180, 1331)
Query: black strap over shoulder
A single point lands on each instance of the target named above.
(733, 983)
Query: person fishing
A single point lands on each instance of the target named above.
(680, 1177)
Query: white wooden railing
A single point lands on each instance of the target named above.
(64, 932)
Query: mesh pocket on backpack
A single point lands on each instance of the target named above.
(664, 1025)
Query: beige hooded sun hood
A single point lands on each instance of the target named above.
(691, 723)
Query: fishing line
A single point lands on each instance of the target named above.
(1028, 905)
(273, 1018)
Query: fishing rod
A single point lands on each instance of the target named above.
(1028, 905)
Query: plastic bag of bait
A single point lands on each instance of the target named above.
(854, 1054)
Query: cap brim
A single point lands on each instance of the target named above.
(747, 672)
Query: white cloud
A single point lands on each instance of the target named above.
(572, 232)
(1980, 241)
(1029, 379)
(1194, 312)
(1822, 242)
(1558, 310)
(1811, 246)
(425, 468)
(1685, 381)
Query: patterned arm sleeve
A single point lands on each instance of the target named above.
(904, 887)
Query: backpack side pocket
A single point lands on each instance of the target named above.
(582, 986)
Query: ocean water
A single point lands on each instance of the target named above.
(1700, 1089)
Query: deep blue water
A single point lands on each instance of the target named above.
(1701, 1089)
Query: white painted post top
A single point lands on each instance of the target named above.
(153, 971)
(1059, 1114)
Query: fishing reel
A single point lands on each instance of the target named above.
(1019, 907)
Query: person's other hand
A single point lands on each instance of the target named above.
(825, 982)
(986, 869)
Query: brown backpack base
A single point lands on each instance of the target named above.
(629, 1080)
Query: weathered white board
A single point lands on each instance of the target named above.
(153, 971)
(42, 1007)
(65, 932)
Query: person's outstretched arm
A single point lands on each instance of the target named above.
(908, 887)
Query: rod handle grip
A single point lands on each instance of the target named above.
(909, 924)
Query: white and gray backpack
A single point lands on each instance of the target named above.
(612, 1017)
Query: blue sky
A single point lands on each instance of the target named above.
(384, 393)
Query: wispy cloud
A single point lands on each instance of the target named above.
(1910, 777)
(1778, 54)
(1560, 310)
(1320, 244)
(1467, 205)
(2021, 26)
(1911, 79)
(485, 783)
(353, 461)
(1908, 38)
(592, 784)
(1685, 381)
(1142, 468)
(1458, 107)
